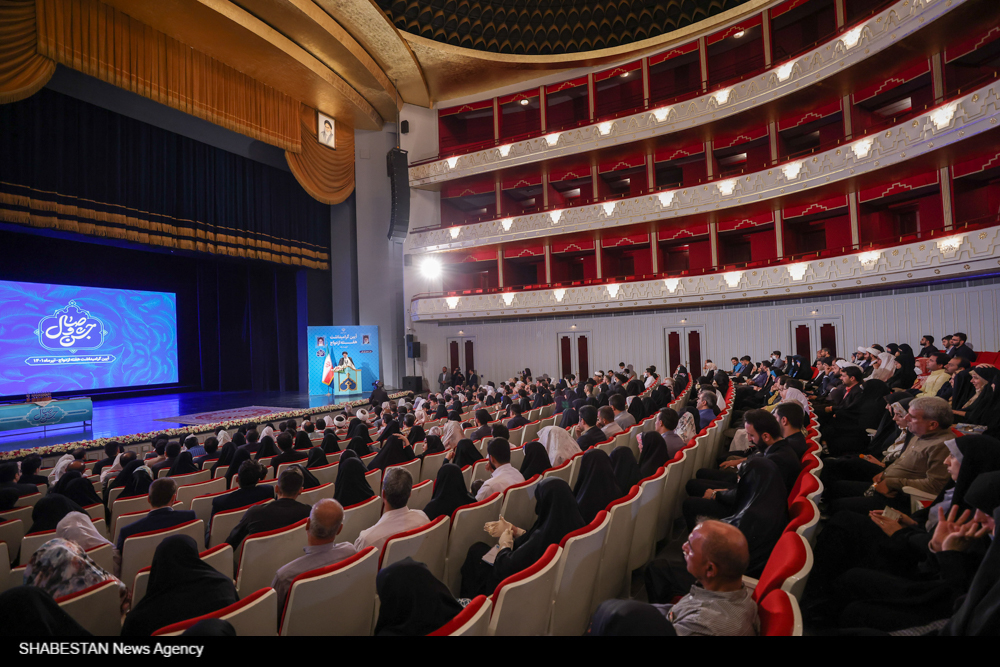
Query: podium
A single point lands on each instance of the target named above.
(347, 381)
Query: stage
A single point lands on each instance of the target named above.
(125, 416)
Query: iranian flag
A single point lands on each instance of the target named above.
(327, 371)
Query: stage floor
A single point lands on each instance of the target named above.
(125, 416)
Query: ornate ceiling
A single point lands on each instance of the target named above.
(544, 27)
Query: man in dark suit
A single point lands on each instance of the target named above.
(283, 512)
(253, 439)
(162, 496)
(791, 419)
(591, 432)
(517, 421)
(288, 452)
(960, 349)
(9, 479)
(483, 421)
(249, 492)
(172, 451)
(211, 448)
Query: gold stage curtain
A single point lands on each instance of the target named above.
(102, 42)
(22, 71)
(326, 174)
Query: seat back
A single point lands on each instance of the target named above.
(530, 430)
(574, 473)
(188, 492)
(432, 463)
(412, 467)
(564, 471)
(518, 505)
(253, 616)
(314, 495)
(633, 440)
(359, 517)
(11, 533)
(479, 470)
(803, 518)
(220, 471)
(576, 577)
(374, 479)
(467, 529)
(347, 586)
(787, 567)
(219, 557)
(522, 603)
(192, 477)
(5, 581)
(265, 553)
(473, 621)
(224, 522)
(779, 615)
(427, 544)
(28, 500)
(614, 577)
(326, 474)
(202, 505)
(138, 549)
(97, 608)
(22, 513)
(671, 492)
(127, 506)
(517, 436)
(421, 494)
(644, 536)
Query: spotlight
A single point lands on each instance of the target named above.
(524, 103)
(431, 268)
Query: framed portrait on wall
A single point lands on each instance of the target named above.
(325, 130)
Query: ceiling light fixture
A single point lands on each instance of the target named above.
(555, 215)
(797, 271)
(661, 113)
(455, 231)
(505, 150)
(559, 294)
(739, 34)
(605, 128)
(452, 301)
(609, 208)
(524, 103)
(726, 187)
(452, 161)
(852, 37)
(671, 284)
(552, 139)
(666, 198)
(784, 71)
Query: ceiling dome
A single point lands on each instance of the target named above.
(544, 27)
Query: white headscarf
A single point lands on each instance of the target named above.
(796, 396)
(267, 431)
(77, 527)
(419, 416)
(685, 427)
(559, 444)
(451, 434)
(223, 437)
(418, 401)
(887, 365)
(115, 467)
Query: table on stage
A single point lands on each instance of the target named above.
(42, 414)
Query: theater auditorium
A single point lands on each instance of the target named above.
(499, 318)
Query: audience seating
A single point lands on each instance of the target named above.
(336, 600)
(672, 488)
(130, 518)
(633, 440)
(359, 517)
(479, 471)
(803, 518)
(221, 471)
(224, 522)
(367, 458)
(5, 582)
(517, 457)
(517, 437)
(427, 544)
(263, 554)
(314, 495)
(531, 430)
(28, 500)
(522, 603)
(431, 464)
(96, 511)
(103, 555)
(421, 494)
(191, 477)
(138, 549)
(779, 615)
(30, 543)
(11, 533)
(576, 577)
(326, 474)
(22, 513)
(613, 576)
(787, 568)
(188, 492)
(220, 557)
(519, 503)
(253, 616)
(202, 505)
(644, 535)
(374, 479)
(563, 471)
(473, 621)
(97, 608)
(127, 506)
(466, 529)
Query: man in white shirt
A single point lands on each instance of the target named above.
(396, 516)
(606, 420)
(623, 418)
(322, 527)
(62, 465)
(504, 474)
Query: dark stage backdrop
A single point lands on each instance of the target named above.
(237, 323)
(71, 166)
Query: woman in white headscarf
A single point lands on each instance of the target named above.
(77, 527)
(795, 396)
(267, 432)
(559, 444)
(884, 367)
(420, 416)
(451, 434)
(223, 437)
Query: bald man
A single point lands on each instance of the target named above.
(325, 522)
(718, 603)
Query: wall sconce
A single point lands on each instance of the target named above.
(868, 259)
(671, 284)
(661, 113)
(726, 187)
(452, 161)
(609, 208)
(452, 302)
(559, 294)
(852, 36)
(555, 215)
(552, 139)
(505, 150)
(605, 128)
(797, 271)
(732, 278)
(722, 96)
(506, 223)
(950, 244)
(784, 71)
(862, 148)
(666, 198)
(613, 290)
(455, 231)
(792, 170)
(942, 116)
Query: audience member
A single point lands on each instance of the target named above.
(162, 496)
(396, 516)
(503, 475)
(283, 512)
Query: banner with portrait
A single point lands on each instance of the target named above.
(342, 360)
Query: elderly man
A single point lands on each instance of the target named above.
(921, 465)
(326, 520)
(396, 516)
(718, 604)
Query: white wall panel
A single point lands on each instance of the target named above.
(504, 348)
